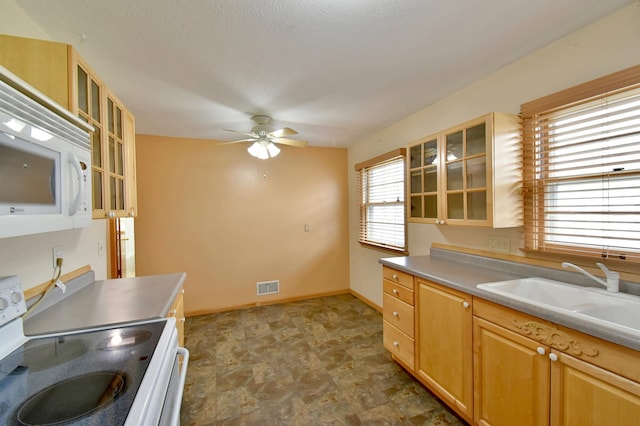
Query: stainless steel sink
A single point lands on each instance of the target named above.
(617, 311)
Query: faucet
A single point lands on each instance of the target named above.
(613, 278)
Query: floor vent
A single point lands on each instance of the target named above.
(268, 287)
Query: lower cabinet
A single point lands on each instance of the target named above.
(444, 360)
(585, 395)
(532, 372)
(497, 366)
(511, 377)
(177, 311)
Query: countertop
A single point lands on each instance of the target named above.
(108, 302)
(463, 272)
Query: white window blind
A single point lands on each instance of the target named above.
(582, 177)
(381, 202)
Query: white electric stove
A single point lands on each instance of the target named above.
(124, 374)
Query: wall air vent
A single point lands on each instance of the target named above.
(268, 287)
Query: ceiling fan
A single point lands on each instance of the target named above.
(264, 139)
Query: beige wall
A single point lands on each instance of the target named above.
(230, 220)
(608, 45)
(30, 257)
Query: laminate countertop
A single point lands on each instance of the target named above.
(464, 272)
(107, 302)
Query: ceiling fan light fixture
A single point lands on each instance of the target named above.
(272, 149)
(263, 149)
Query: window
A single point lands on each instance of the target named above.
(381, 200)
(582, 169)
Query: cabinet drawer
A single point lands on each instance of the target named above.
(398, 314)
(398, 291)
(397, 277)
(399, 344)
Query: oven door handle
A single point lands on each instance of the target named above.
(175, 420)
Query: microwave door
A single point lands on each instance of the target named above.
(29, 180)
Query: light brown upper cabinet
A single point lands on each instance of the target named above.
(58, 71)
(468, 175)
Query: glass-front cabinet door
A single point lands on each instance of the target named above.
(89, 100)
(424, 180)
(116, 156)
(466, 173)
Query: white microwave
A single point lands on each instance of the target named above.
(45, 163)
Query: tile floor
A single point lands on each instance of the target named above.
(311, 362)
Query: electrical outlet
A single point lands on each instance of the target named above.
(500, 244)
(57, 254)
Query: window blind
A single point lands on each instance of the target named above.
(382, 202)
(581, 176)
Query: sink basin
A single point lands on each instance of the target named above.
(617, 311)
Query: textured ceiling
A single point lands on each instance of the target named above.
(334, 70)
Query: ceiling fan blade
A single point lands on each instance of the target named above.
(292, 142)
(253, 135)
(236, 141)
(285, 131)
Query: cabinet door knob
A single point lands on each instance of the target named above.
(396, 344)
(395, 291)
(395, 314)
(465, 305)
(395, 277)
(553, 357)
(541, 350)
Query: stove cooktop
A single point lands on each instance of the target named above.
(79, 378)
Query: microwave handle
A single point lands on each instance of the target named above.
(75, 205)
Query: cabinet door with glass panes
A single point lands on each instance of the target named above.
(469, 174)
(466, 172)
(424, 181)
(117, 166)
(88, 104)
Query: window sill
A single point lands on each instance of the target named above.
(398, 252)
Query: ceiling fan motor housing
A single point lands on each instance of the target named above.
(262, 128)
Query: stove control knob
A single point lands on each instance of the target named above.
(16, 297)
(4, 304)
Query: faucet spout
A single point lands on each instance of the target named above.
(613, 278)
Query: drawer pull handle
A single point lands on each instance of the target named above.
(396, 344)
(395, 276)
(465, 305)
(395, 291)
(541, 350)
(395, 314)
(553, 357)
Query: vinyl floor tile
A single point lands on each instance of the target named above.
(312, 362)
